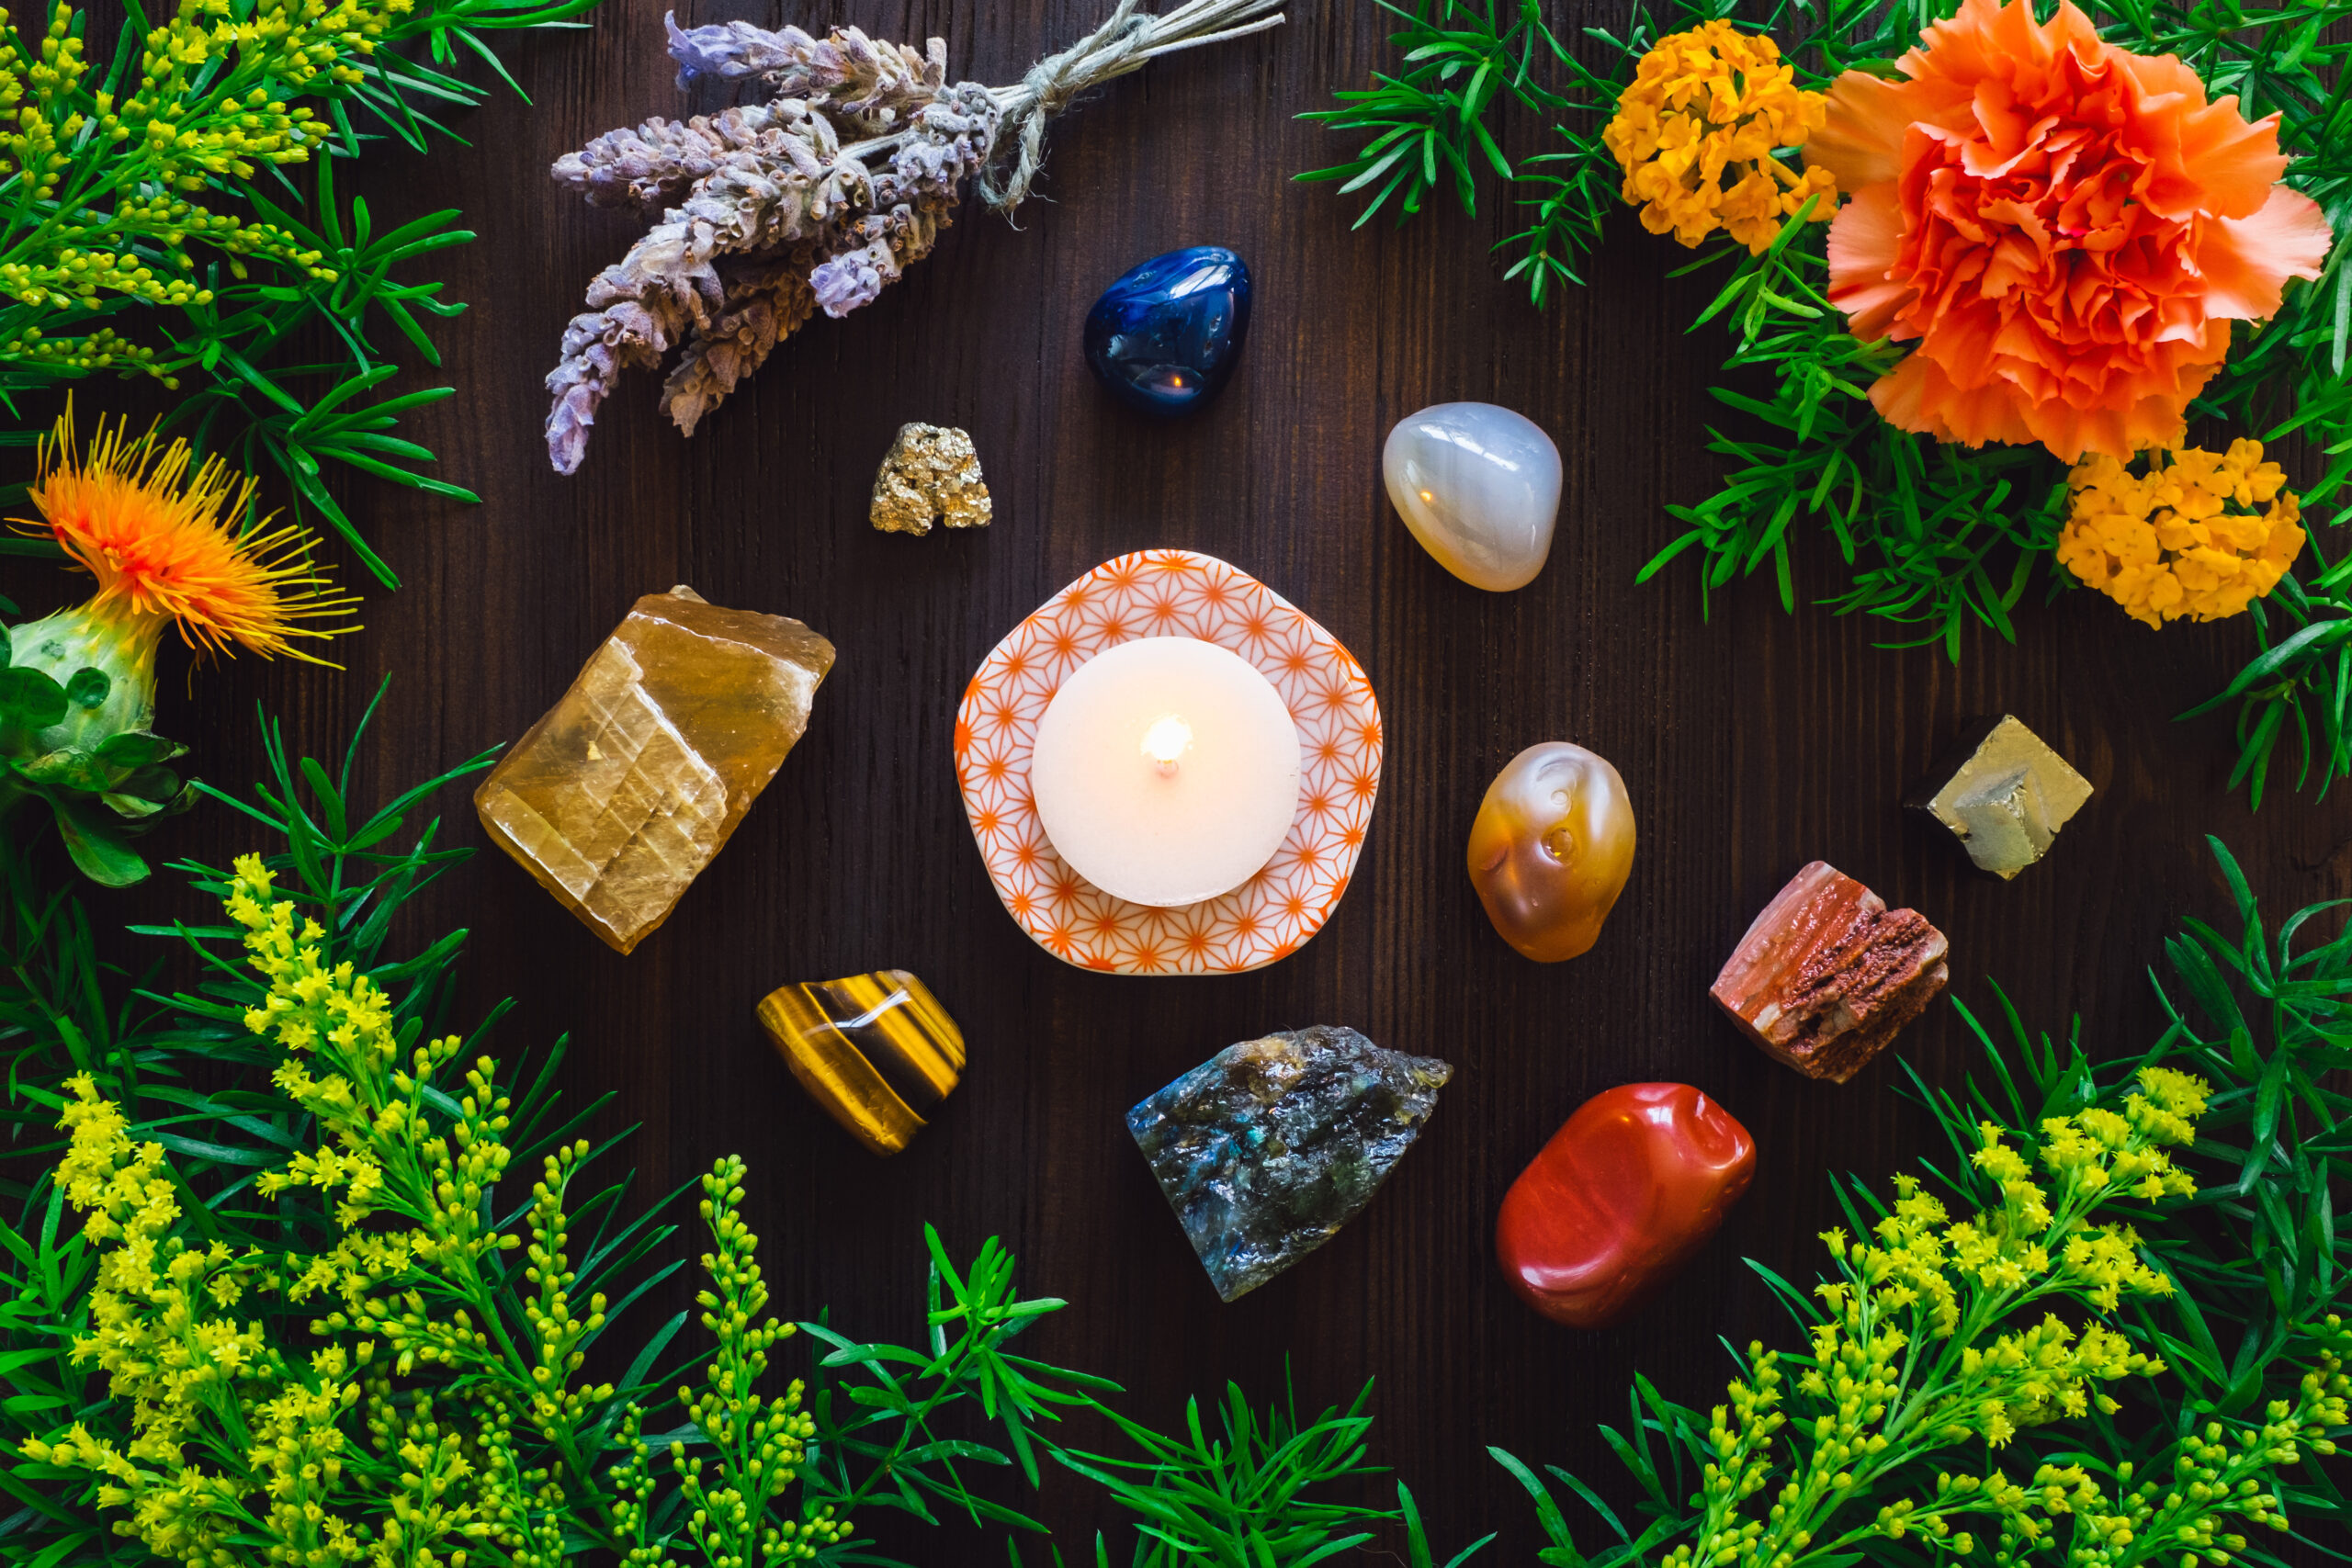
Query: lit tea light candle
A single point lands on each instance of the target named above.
(1166, 770)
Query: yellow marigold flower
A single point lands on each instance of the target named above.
(2201, 534)
(1696, 134)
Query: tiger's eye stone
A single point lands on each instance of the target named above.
(1617, 1202)
(1551, 849)
(627, 788)
(1827, 974)
(877, 1051)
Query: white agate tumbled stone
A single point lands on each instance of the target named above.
(1479, 486)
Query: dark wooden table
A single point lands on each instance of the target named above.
(1751, 743)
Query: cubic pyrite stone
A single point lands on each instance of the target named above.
(877, 1051)
(1267, 1149)
(627, 787)
(2003, 792)
(930, 473)
(1827, 974)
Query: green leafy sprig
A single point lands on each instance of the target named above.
(1429, 131)
(1244, 1499)
(1931, 537)
(171, 214)
(2259, 1260)
(454, 1371)
(1259, 1496)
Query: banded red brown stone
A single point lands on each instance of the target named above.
(1829, 973)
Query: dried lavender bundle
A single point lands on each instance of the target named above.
(816, 199)
(857, 80)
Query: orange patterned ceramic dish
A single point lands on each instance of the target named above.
(1172, 593)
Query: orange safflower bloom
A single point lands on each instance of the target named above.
(166, 546)
(2066, 229)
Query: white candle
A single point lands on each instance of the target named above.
(1166, 770)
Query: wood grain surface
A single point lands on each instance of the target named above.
(1752, 742)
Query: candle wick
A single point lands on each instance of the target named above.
(1167, 739)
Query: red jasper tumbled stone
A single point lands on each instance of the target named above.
(1619, 1199)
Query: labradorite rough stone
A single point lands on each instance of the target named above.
(1268, 1148)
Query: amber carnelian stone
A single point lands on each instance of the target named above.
(1620, 1200)
(1551, 849)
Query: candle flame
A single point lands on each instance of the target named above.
(1167, 739)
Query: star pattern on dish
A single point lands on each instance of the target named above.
(1172, 593)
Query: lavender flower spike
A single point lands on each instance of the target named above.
(733, 50)
(846, 282)
(652, 166)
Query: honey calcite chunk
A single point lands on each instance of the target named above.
(1551, 849)
(1626, 1192)
(1267, 1149)
(877, 1051)
(627, 788)
(1829, 973)
(2004, 793)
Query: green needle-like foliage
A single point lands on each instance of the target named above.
(889, 1418)
(2298, 686)
(2260, 1261)
(315, 1279)
(2205, 1263)
(898, 1428)
(1931, 537)
(1242, 1500)
(1428, 129)
(171, 214)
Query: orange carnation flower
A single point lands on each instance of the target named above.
(2065, 228)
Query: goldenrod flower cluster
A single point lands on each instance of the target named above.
(2201, 534)
(111, 181)
(434, 1413)
(761, 1443)
(165, 1331)
(1940, 1333)
(1709, 106)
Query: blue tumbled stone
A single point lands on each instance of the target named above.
(1164, 338)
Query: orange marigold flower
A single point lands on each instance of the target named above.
(2065, 228)
(1704, 104)
(2167, 545)
(166, 548)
